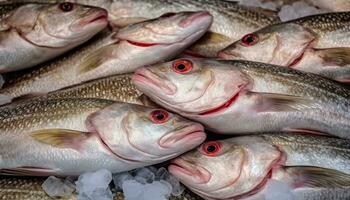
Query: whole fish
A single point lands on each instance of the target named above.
(33, 33)
(247, 97)
(318, 44)
(30, 188)
(231, 21)
(113, 53)
(71, 136)
(241, 167)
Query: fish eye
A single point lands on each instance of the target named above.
(159, 116)
(166, 15)
(182, 66)
(211, 148)
(249, 40)
(66, 6)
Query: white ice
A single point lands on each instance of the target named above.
(56, 187)
(298, 9)
(278, 190)
(148, 183)
(94, 185)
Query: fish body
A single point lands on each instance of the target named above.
(33, 33)
(113, 53)
(242, 167)
(231, 20)
(72, 136)
(318, 44)
(247, 97)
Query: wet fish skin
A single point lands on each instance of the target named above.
(46, 136)
(285, 43)
(252, 97)
(113, 53)
(236, 168)
(28, 30)
(231, 21)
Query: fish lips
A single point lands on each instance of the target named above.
(185, 170)
(191, 135)
(99, 17)
(144, 78)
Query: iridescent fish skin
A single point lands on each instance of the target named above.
(241, 167)
(33, 33)
(113, 52)
(71, 136)
(235, 97)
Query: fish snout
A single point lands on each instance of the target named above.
(191, 135)
(199, 18)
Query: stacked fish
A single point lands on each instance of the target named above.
(133, 83)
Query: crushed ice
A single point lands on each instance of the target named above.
(146, 183)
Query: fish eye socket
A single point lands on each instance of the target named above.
(159, 116)
(66, 6)
(249, 40)
(211, 148)
(182, 66)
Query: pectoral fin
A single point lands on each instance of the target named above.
(317, 177)
(337, 56)
(62, 138)
(95, 59)
(270, 102)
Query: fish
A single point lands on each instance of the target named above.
(235, 97)
(318, 44)
(231, 20)
(30, 188)
(241, 167)
(67, 137)
(111, 53)
(33, 33)
(336, 5)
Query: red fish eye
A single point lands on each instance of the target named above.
(182, 66)
(249, 40)
(169, 14)
(66, 6)
(211, 148)
(159, 116)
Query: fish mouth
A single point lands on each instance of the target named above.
(191, 134)
(185, 170)
(144, 77)
(195, 17)
(225, 105)
(100, 16)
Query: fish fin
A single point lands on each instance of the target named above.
(62, 138)
(282, 102)
(266, 12)
(317, 177)
(339, 56)
(94, 59)
(5, 99)
(27, 171)
(212, 37)
(146, 101)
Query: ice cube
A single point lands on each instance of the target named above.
(144, 175)
(278, 190)
(119, 178)
(56, 187)
(163, 174)
(94, 185)
(156, 190)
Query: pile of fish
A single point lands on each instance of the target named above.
(124, 84)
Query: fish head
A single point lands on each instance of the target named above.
(278, 44)
(58, 25)
(143, 134)
(191, 86)
(173, 29)
(226, 169)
